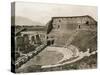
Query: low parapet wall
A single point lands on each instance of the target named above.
(28, 56)
(82, 55)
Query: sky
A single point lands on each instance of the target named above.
(41, 12)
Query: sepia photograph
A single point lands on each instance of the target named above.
(53, 37)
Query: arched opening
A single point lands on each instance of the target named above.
(50, 42)
(79, 26)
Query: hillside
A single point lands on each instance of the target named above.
(19, 20)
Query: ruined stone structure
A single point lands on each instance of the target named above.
(60, 29)
(35, 36)
(29, 38)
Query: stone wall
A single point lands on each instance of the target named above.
(64, 27)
